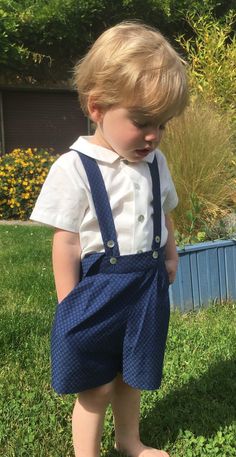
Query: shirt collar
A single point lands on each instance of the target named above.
(83, 145)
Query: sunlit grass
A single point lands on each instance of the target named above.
(192, 415)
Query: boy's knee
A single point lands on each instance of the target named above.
(105, 391)
(101, 394)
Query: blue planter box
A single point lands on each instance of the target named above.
(207, 272)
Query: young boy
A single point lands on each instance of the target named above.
(114, 253)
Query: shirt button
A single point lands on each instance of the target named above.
(155, 254)
(157, 239)
(141, 218)
(113, 260)
(136, 186)
(111, 244)
(126, 162)
(140, 251)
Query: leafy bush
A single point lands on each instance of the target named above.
(22, 173)
(199, 149)
(42, 39)
(212, 56)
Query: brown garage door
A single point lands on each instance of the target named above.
(47, 119)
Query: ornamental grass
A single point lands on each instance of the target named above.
(200, 153)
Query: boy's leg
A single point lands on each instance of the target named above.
(126, 409)
(88, 418)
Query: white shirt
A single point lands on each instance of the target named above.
(65, 200)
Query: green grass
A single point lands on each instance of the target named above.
(192, 415)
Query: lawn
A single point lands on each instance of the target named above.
(192, 415)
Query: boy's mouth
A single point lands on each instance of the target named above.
(144, 151)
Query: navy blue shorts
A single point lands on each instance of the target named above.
(115, 320)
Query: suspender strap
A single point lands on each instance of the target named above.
(157, 212)
(102, 205)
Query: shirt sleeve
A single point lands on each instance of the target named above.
(63, 200)
(168, 191)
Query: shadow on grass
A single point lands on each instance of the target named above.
(201, 406)
(18, 332)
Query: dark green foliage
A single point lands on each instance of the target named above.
(42, 39)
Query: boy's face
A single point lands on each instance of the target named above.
(127, 133)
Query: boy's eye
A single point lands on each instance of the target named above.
(143, 125)
(140, 125)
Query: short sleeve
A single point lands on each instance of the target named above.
(63, 200)
(168, 191)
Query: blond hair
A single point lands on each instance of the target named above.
(132, 65)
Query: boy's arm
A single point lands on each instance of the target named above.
(66, 261)
(171, 255)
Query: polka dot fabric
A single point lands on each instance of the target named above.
(114, 320)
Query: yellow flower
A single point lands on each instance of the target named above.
(25, 195)
(25, 168)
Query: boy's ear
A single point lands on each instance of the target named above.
(95, 110)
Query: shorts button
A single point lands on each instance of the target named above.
(155, 254)
(111, 244)
(113, 260)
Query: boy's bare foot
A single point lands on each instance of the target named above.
(142, 451)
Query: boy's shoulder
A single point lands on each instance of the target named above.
(66, 158)
(161, 158)
(69, 167)
(68, 161)
(71, 158)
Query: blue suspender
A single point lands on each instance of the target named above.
(156, 191)
(102, 205)
(103, 208)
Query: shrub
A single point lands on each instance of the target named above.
(198, 146)
(22, 173)
(212, 55)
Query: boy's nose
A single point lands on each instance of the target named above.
(153, 134)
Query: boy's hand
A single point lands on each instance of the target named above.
(171, 267)
(171, 254)
(66, 261)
